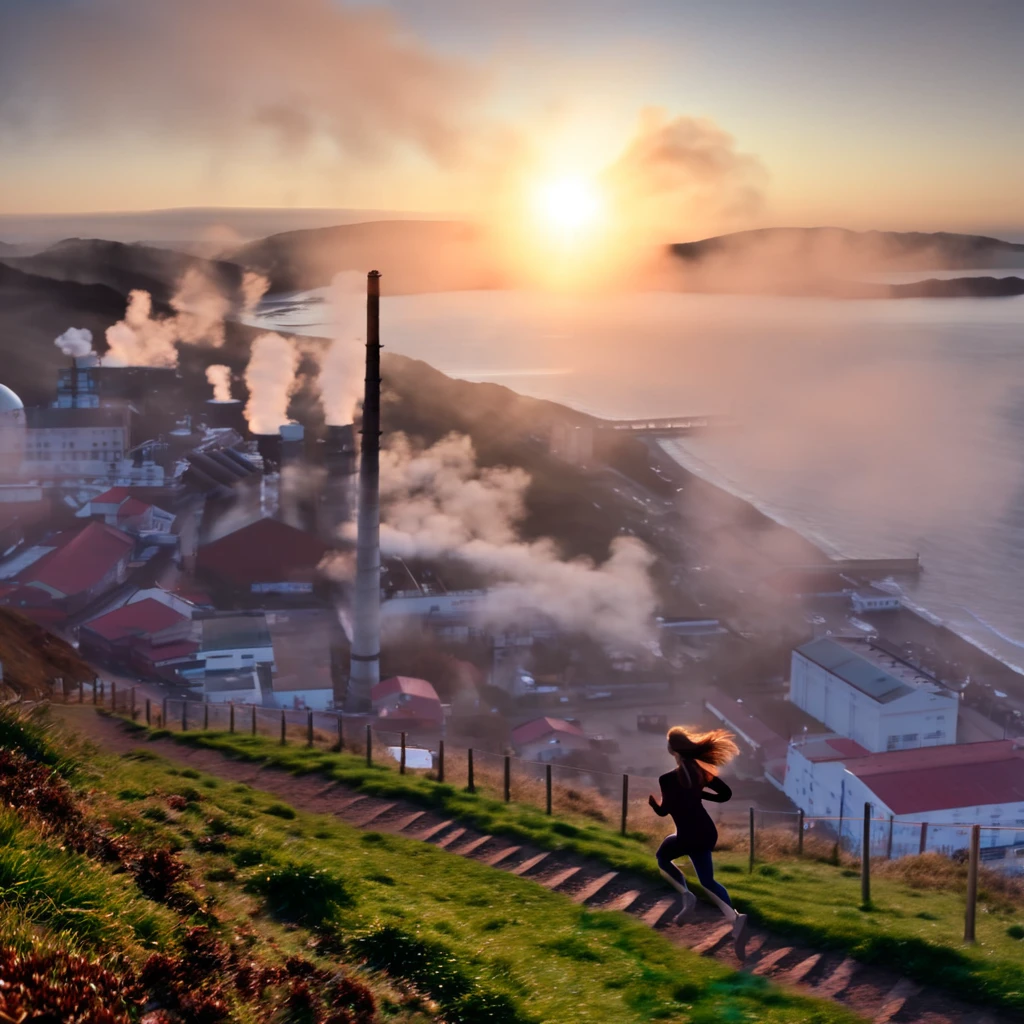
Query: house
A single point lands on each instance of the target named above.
(409, 704)
(548, 739)
(866, 690)
(235, 643)
(871, 599)
(929, 795)
(77, 568)
(148, 623)
(243, 687)
(264, 556)
(767, 746)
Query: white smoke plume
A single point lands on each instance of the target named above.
(200, 308)
(439, 502)
(270, 378)
(75, 341)
(341, 369)
(254, 287)
(141, 339)
(219, 378)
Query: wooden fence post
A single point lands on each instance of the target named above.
(924, 837)
(750, 864)
(113, 695)
(865, 860)
(800, 833)
(284, 728)
(163, 713)
(341, 733)
(401, 763)
(95, 690)
(440, 760)
(231, 716)
(206, 715)
(309, 727)
(508, 778)
(625, 803)
(470, 783)
(81, 692)
(888, 842)
(974, 857)
(547, 785)
(369, 746)
(133, 710)
(184, 715)
(149, 713)
(254, 719)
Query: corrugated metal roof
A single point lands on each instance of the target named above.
(231, 632)
(140, 619)
(81, 562)
(528, 732)
(853, 668)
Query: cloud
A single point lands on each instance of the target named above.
(270, 378)
(224, 70)
(75, 341)
(342, 368)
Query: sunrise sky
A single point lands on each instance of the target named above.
(872, 113)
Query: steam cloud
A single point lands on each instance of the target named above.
(254, 287)
(219, 378)
(140, 339)
(75, 341)
(270, 378)
(242, 68)
(439, 502)
(341, 371)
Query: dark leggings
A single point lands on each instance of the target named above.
(672, 849)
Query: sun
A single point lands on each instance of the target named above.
(568, 208)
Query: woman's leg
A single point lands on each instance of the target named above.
(667, 853)
(717, 892)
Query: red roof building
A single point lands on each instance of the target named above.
(408, 702)
(84, 564)
(261, 555)
(549, 739)
(149, 618)
(543, 728)
(964, 775)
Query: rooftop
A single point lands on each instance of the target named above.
(963, 775)
(141, 619)
(870, 666)
(49, 418)
(404, 684)
(230, 632)
(82, 561)
(530, 732)
(265, 551)
(829, 748)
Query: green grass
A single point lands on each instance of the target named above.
(486, 945)
(810, 901)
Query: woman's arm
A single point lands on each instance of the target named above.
(720, 792)
(659, 809)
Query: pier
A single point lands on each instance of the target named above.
(668, 424)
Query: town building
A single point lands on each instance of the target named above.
(927, 797)
(871, 599)
(264, 556)
(407, 704)
(61, 576)
(866, 690)
(75, 443)
(549, 739)
(303, 665)
(120, 507)
(148, 636)
(234, 643)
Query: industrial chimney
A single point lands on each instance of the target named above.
(364, 673)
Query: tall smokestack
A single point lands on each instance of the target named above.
(364, 673)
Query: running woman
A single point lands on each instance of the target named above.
(683, 791)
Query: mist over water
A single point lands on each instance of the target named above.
(876, 427)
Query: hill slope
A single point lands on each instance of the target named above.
(32, 658)
(124, 267)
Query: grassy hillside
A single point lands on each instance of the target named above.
(131, 887)
(916, 918)
(32, 658)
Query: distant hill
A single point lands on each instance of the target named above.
(124, 267)
(417, 256)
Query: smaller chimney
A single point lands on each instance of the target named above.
(292, 442)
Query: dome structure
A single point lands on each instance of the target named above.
(9, 401)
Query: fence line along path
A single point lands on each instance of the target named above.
(879, 995)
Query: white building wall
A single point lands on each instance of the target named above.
(73, 451)
(920, 719)
(237, 659)
(316, 700)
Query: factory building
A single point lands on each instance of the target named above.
(549, 739)
(867, 691)
(74, 443)
(946, 788)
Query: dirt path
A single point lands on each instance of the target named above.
(878, 995)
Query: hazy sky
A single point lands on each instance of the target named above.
(890, 114)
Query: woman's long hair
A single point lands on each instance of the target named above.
(710, 749)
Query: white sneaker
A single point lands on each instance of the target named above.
(689, 902)
(740, 934)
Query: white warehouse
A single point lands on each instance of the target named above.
(864, 690)
(924, 797)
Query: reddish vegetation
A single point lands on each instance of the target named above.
(33, 657)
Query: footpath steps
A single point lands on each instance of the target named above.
(880, 996)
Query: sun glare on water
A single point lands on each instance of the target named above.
(568, 208)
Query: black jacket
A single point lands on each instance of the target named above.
(682, 794)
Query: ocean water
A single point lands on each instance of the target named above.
(878, 427)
